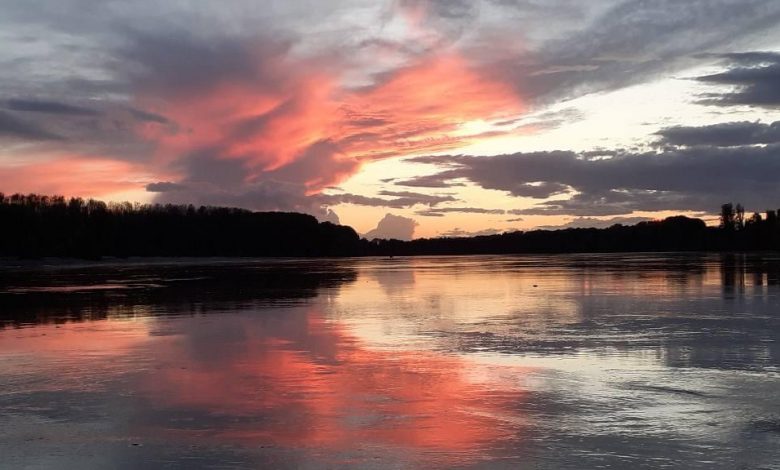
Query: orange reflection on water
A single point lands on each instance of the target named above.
(94, 340)
(308, 382)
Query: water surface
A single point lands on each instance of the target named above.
(573, 361)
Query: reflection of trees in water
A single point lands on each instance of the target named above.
(710, 312)
(97, 292)
(739, 269)
(741, 329)
(696, 311)
(732, 271)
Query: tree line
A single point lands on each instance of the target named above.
(34, 226)
(678, 233)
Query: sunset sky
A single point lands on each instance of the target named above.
(435, 117)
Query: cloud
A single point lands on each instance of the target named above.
(393, 227)
(755, 76)
(248, 105)
(440, 180)
(146, 116)
(685, 178)
(440, 211)
(178, 64)
(49, 107)
(544, 121)
(265, 195)
(730, 134)
(250, 109)
(164, 187)
(12, 127)
(399, 199)
(459, 233)
(590, 222)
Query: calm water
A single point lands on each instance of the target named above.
(587, 361)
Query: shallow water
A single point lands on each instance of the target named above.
(575, 361)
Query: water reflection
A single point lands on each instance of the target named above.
(351, 395)
(31, 293)
(548, 362)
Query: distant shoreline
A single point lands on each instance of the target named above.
(41, 227)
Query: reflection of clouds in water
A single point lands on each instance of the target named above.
(395, 282)
(72, 355)
(452, 294)
(662, 359)
(309, 383)
(287, 378)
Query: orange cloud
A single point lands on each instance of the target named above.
(223, 117)
(420, 108)
(417, 109)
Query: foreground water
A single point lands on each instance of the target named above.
(587, 361)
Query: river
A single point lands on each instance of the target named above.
(549, 362)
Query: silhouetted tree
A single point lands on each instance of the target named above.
(739, 219)
(771, 218)
(727, 217)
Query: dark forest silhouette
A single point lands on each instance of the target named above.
(41, 226)
(35, 226)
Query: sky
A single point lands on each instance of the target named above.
(400, 118)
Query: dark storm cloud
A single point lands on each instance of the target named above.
(49, 107)
(755, 76)
(15, 128)
(692, 178)
(729, 134)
